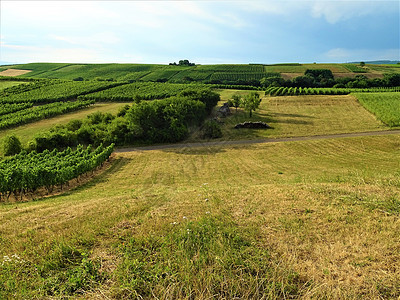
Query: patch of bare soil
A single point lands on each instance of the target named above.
(14, 72)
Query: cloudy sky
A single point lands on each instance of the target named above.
(264, 31)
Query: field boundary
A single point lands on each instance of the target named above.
(258, 141)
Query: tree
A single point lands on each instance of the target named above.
(11, 145)
(236, 100)
(362, 64)
(251, 102)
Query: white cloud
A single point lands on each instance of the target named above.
(348, 55)
(340, 10)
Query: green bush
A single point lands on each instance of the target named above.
(11, 145)
(211, 130)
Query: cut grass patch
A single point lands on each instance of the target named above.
(300, 116)
(5, 84)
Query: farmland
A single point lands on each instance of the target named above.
(202, 73)
(385, 106)
(280, 220)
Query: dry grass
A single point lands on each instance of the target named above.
(326, 209)
(301, 116)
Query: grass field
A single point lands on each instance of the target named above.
(292, 220)
(316, 219)
(6, 84)
(301, 116)
(26, 132)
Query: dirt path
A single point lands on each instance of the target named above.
(261, 141)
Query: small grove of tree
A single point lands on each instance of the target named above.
(251, 102)
(11, 145)
(182, 62)
(235, 101)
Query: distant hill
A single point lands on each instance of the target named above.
(379, 62)
(237, 74)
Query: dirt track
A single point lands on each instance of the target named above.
(261, 141)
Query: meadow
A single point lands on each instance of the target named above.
(300, 116)
(315, 219)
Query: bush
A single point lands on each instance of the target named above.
(11, 145)
(211, 130)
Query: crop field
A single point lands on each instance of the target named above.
(56, 91)
(286, 220)
(385, 106)
(143, 90)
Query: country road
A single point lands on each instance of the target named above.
(259, 141)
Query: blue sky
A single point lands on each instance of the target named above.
(205, 32)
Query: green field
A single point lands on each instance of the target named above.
(154, 72)
(385, 106)
(6, 84)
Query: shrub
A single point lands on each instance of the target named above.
(11, 145)
(211, 130)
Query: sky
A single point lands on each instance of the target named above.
(204, 32)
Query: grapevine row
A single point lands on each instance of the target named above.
(139, 90)
(25, 173)
(60, 91)
(294, 91)
(13, 107)
(41, 112)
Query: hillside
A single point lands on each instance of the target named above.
(201, 73)
(312, 213)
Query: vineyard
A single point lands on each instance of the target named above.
(243, 76)
(294, 91)
(26, 172)
(31, 114)
(52, 91)
(386, 106)
(354, 68)
(139, 90)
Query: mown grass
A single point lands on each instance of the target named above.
(315, 219)
(26, 132)
(6, 84)
(386, 106)
(300, 116)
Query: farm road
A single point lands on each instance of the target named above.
(260, 141)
